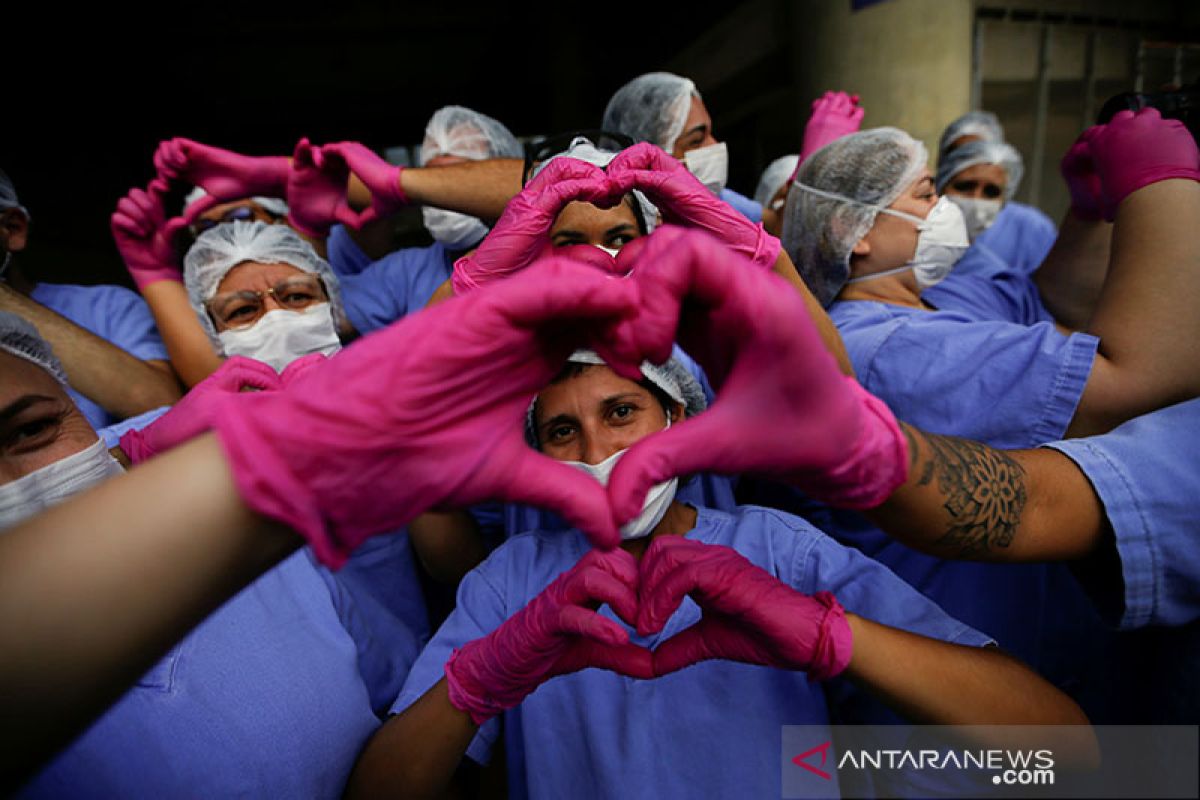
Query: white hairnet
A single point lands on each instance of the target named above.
(459, 131)
(218, 250)
(21, 339)
(978, 152)
(775, 175)
(983, 124)
(651, 108)
(582, 149)
(833, 201)
(672, 377)
(8, 195)
(272, 205)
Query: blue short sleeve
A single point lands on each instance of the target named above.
(344, 254)
(1020, 237)
(744, 205)
(1002, 296)
(112, 433)
(396, 285)
(1004, 384)
(1147, 475)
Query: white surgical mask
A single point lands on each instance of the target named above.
(456, 231)
(977, 213)
(53, 483)
(658, 500)
(710, 165)
(281, 336)
(941, 242)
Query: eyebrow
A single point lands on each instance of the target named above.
(21, 404)
(701, 128)
(924, 183)
(624, 226)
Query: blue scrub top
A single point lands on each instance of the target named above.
(273, 695)
(343, 253)
(1146, 473)
(1003, 295)
(1020, 237)
(710, 730)
(747, 207)
(396, 285)
(115, 314)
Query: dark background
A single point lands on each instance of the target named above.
(90, 93)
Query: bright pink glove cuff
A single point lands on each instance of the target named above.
(144, 277)
(766, 250)
(133, 444)
(1135, 182)
(835, 642)
(461, 279)
(473, 700)
(875, 466)
(391, 193)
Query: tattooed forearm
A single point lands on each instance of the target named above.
(984, 493)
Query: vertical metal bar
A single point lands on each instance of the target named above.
(1089, 81)
(977, 66)
(1039, 116)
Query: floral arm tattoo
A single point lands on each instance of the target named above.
(983, 492)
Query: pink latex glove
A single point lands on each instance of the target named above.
(834, 115)
(428, 412)
(522, 233)
(192, 415)
(749, 615)
(381, 179)
(1135, 150)
(224, 174)
(684, 200)
(783, 408)
(300, 366)
(1080, 175)
(144, 236)
(556, 633)
(316, 191)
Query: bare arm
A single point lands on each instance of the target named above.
(1149, 354)
(965, 500)
(448, 544)
(118, 382)
(416, 752)
(829, 332)
(189, 347)
(478, 188)
(91, 595)
(1071, 277)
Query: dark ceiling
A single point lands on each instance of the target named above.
(90, 92)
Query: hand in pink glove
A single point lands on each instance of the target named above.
(748, 614)
(145, 238)
(834, 115)
(381, 179)
(558, 632)
(1080, 175)
(429, 412)
(1135, 150)
(192, 415)
(783, 407)
(316, 191)
(684, 200)
(224, 174)
(300, 366)
(522, 233)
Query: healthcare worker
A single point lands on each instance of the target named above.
(667, 111)
(110, 347)
(1020, 235)
(869, 233)
(707, 621)
(215, 512)
(232, 707)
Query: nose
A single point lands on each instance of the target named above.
(596, 449)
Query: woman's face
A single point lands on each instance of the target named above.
(892, 240)
(39, 424)
(584, 223)
(697, 130)
(268, 287)
(981, 181)
(590, 416)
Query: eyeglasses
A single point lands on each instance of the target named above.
(538, 151)
(235, 310)
(241, 212)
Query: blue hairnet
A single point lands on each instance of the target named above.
(651, 108)
(218, 250)
(775, 175)
(978, 152)
(21, 339)
(833, 201)
(462, 132)
(983, 124)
